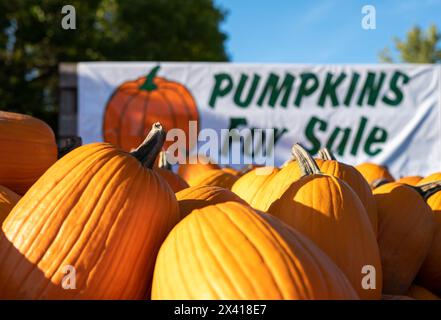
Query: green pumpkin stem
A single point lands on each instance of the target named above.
(148, 84)
(326, 154)
(163, 163)
(428, 189)
(305, 161)
(148, 151)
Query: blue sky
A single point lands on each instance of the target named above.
(319, 31)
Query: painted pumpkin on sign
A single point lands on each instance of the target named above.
(137, 104)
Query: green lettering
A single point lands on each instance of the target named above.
(393, 85)
(237, 96)
(377, 135)
(330, 88)
(304, 89)
(220, 89)
(352, 86)
(371, 89)
(309, 133)
(359, 135)
(343, 141)
(272, 87)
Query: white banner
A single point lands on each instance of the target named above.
(386, 114)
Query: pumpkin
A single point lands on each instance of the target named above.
(373, 173)
(202, 196)
(329, 165)
(326, 210)
(250, 184)
(165, 171)
(8, 199)
(232, 171)
(20, 134)
(405, 230)
(420, 293)
(194, 166)
(99, 212)
(229, 251)
(214, 177)
(430, 272)
(136, 104)
(410, 180)
(430, 178)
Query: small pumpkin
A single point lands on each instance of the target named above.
(420, 293)
(430, 272)
(99, 212)
(20, 168)
(202, 196)
(214, 177)
(373, 173)
(326, 210)
(136, 104)
(8, 199)
(164, 169)
(329, 165)
(229, 251)
(406, 227)
(194, 166)
(410, 180)
(252, 182)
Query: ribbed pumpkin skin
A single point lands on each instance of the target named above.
(175, 182)
(430, 178)
(202, 196)
(27, 150)
(8, 199)
(372, 172)
(190, 170)
(356, 181)
(430, 272)
(405, 230)
(326, 210)
(229, 251)
(410, 180)
(96, 209)
(214, 177)
(250, 184)
(420, 293)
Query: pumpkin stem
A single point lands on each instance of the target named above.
(163, 163)
(148, 84)
(326, 154)
(305, 161)
(147, 152)
(428, 189)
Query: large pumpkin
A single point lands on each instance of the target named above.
(194, 166)
(99, 212)
(229, 251)
(136, 104)
(374, 173)
(430, 272)
(8, 199)
(405, 230)
(329, 165)
(198, 197)
(27, 150)
(214, 177)
(327, 211)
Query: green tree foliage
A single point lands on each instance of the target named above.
(418, 47)
(32, 42)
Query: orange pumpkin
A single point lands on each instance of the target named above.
(329, 165)
(194, 166)
(430, 273)
(202, 196)
(430, 178)
(8, 199)
(252, 182)
(420, 293)
(395, 297)
(373, 173)
(164, 169)
(214, 177)
(229, 251)
(326, 210)
(99, 212)
(27, 149)
(410, 180)
(405, 230)
(232, 171)
(136, 104)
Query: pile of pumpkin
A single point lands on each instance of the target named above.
(130, 228)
